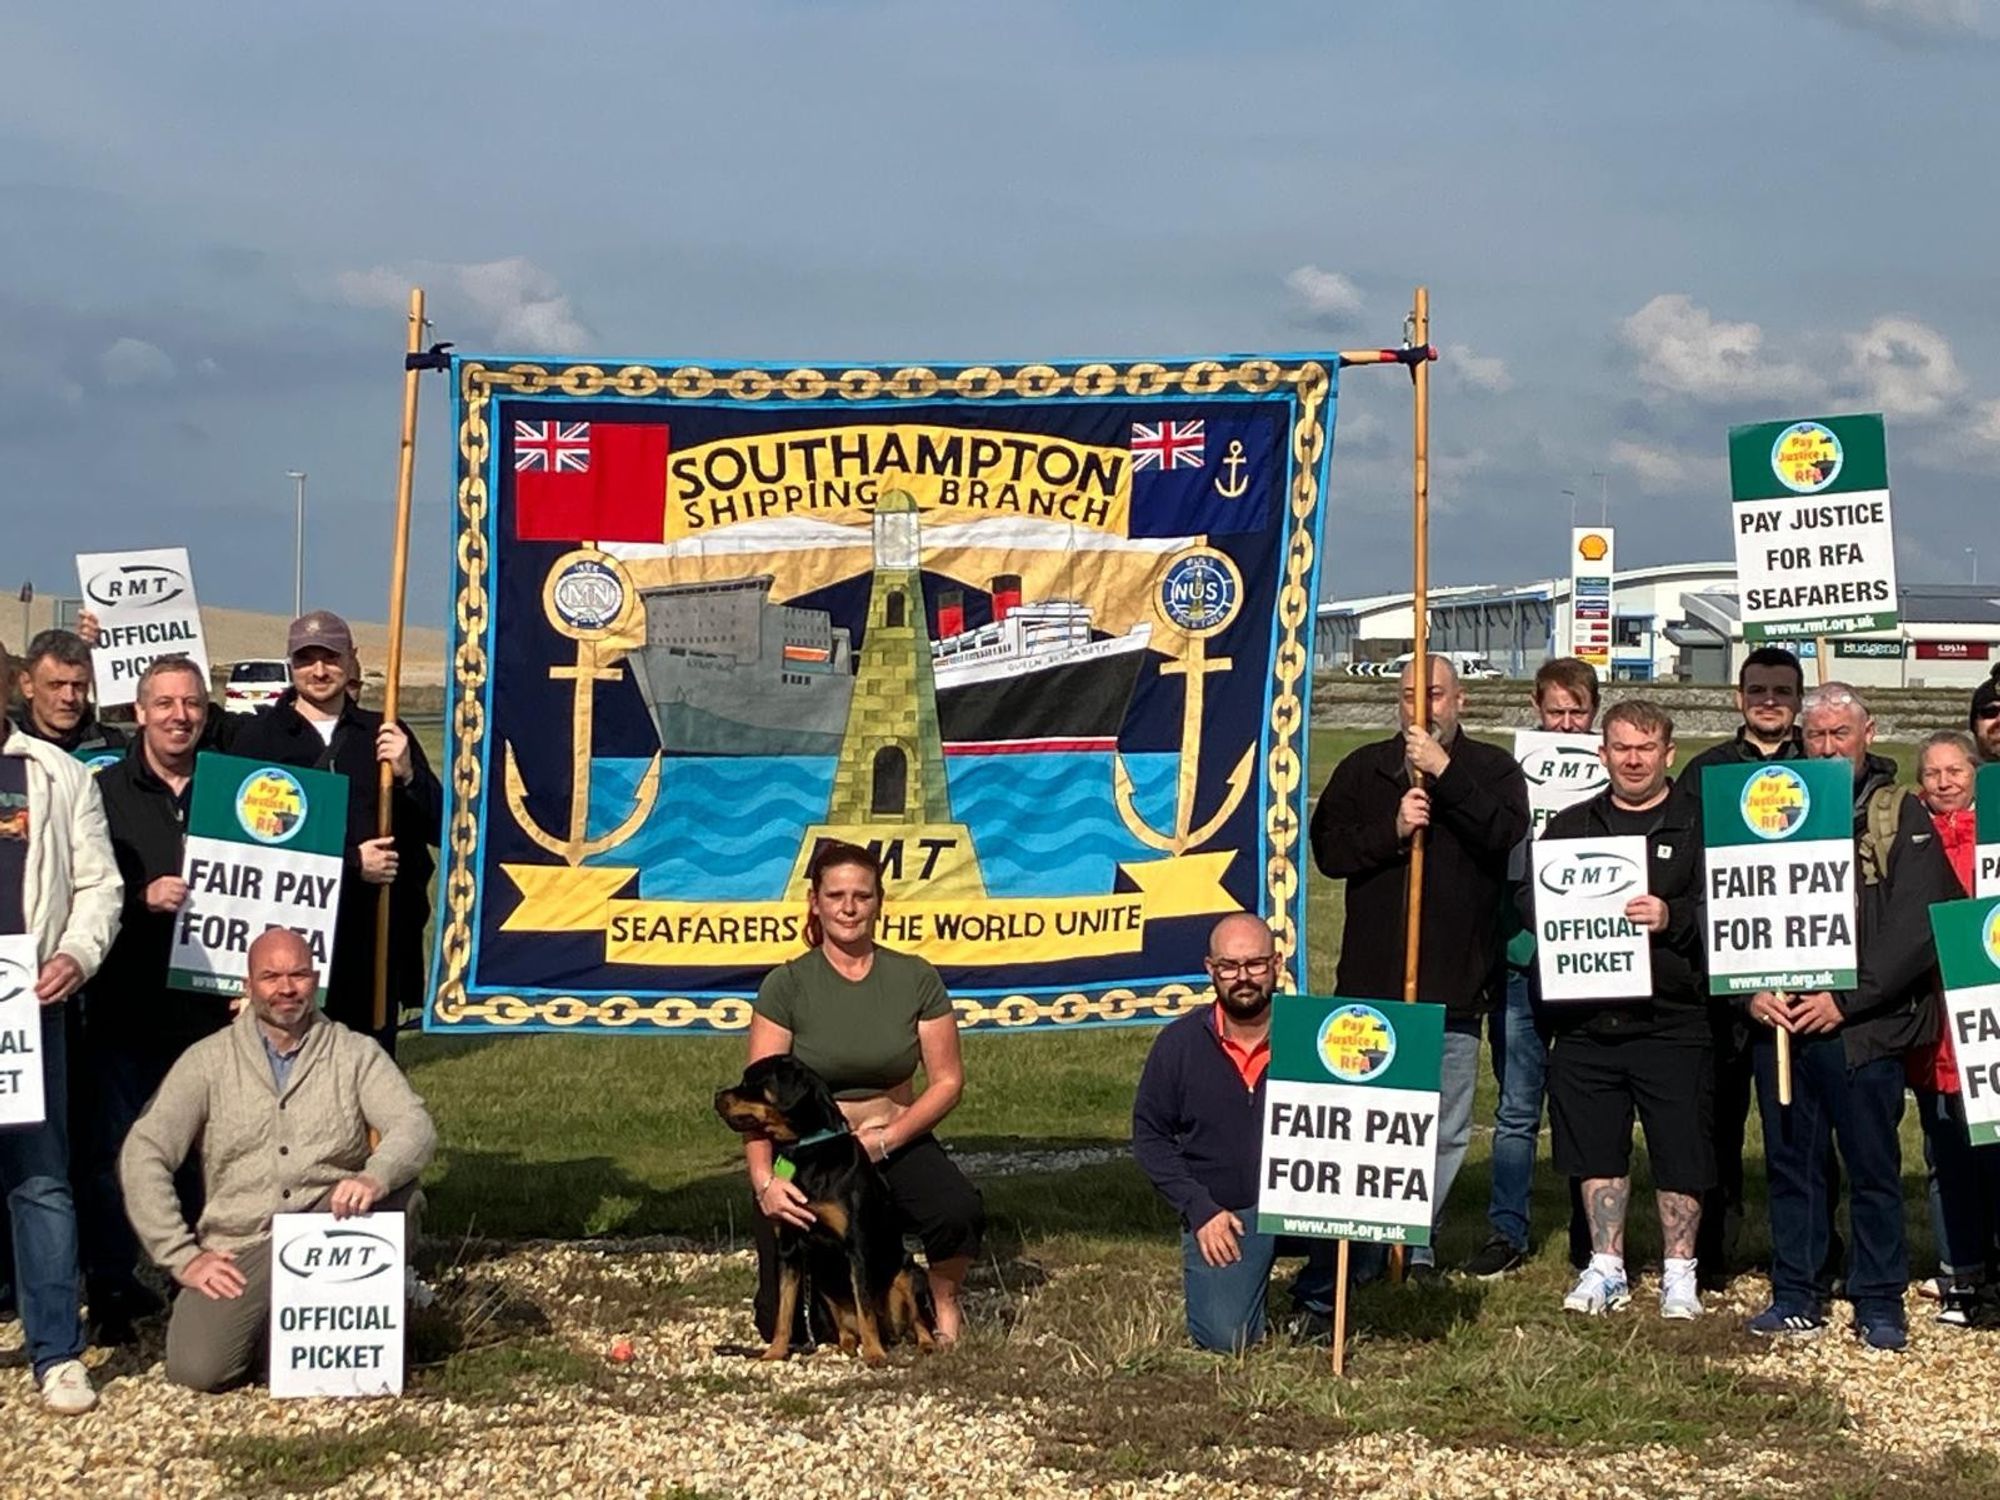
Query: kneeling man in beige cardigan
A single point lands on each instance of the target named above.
(281, 1104)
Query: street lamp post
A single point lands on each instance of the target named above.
(1973, 553)
(298, 477)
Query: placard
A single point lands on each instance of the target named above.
(23, 1099)
(1586, 948)
(1590, 608)
(1815, 550)
(1968, 945)
(1350, 1128)
(1779, 842)
(1986, 831)
(263, 850)
(145, 608)
(1561, 770)
(337, 1305)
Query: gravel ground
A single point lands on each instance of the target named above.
(681, 1420)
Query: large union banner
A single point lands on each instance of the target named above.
(1041, 635)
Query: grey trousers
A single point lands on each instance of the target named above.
(214, 1343)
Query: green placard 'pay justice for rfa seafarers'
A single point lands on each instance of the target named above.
(1350, 1124)
(1779, 843)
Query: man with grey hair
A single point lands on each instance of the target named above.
(1848, 1049)
(59, 889)
(1471, 803)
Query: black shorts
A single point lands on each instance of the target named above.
(1595, 1085)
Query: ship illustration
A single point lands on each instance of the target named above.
(1036, 678)
(726, 672)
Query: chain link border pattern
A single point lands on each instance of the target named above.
(1309, 382)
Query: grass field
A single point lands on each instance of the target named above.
(1075, 1308)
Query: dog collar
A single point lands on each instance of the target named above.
(819, 1138)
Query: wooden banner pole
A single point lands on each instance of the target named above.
(399, 572)
(1420, 661)
(1340, 1311)
(1820, 671)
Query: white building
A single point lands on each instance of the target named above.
(1674, 620)
(1518, 627)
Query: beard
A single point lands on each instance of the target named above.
(1243, 1002)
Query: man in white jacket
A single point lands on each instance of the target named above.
(59, 889)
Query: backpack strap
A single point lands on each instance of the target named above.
(1883, 817)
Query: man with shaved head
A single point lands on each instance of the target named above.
(282, 1104)
(1470, 802)
(1196, 1124)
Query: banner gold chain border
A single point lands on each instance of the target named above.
(1310, 382)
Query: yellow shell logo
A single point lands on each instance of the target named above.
(1357, 1043)
(271, 805)
(1989, 935)
(1592, 548)
(1775, 802)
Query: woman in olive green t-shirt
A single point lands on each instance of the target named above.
(863, 1017)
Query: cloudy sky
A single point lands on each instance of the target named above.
(1638, 225)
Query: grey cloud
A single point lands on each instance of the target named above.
(1918, 23)
(134, 362)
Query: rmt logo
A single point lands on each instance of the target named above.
(337, 1256)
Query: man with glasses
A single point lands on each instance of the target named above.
(1847, 1051)
(1769, 688)
(1473, 807)
(1565, 703)
(1196, 1123)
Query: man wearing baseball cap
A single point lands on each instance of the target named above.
(1983, 718)
(316, 724)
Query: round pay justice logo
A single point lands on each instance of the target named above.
(1989, 936)
(1806, 457)
(1774, 802)
(1357, 1043)
(271, 805)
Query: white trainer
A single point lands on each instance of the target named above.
(67, 1390)
(1596, 1293)
(1680, 1298)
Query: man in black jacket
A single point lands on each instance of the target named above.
(1769, 687)
(56, 681)
(317, 725)
(1847, 1050)
(1474, 804)
(1645, 1052)
(135, 1025)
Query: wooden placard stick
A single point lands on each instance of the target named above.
(399, 571)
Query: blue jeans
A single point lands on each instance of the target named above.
(1520, 1068)
(1965, 1187)
(1858, 1109)
(1225, 1304)
(1457, 1080)
(34, 1170)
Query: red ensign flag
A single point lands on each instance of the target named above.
(590, 481)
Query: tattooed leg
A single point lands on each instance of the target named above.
(1604, 1200)
(1680, 1222)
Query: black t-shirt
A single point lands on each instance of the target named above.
(1624, 821)
(13, 844)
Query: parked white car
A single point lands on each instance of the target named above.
(254, 683)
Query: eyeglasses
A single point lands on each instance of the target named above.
(1229, 968)
(1989, 712)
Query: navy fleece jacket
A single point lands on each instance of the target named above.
(1194, 1125)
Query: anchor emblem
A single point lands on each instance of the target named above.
(1199, 596)
(1235, 463)
(585, 598)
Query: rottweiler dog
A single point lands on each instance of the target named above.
(854, 1244)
